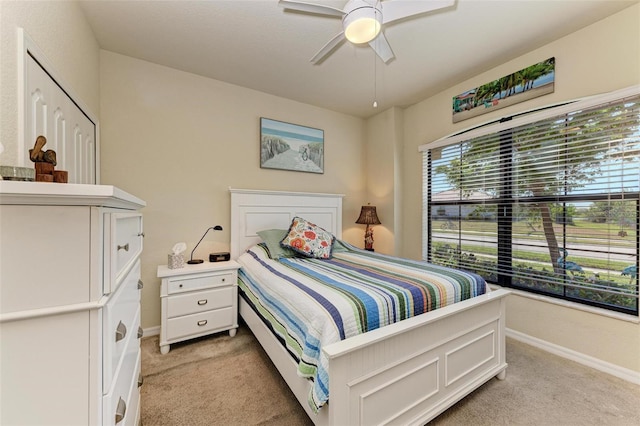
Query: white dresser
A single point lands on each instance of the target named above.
(69, 304)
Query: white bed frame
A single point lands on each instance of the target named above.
(404, 373)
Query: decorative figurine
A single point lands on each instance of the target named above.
(45, 162)
(37, 155)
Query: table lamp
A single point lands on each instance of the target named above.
(193, 261)
(368, 216)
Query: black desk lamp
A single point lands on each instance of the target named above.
(195, 261)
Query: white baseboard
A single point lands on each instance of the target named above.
(151, 331)
(580, 358)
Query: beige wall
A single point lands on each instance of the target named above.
(179, 141)
(383, 147)
(61, 32)
(602, 57)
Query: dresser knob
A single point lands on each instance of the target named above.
(202, 302)
(141, 234)
(140, 332)
(140, 284)
(125, 247)
(202, 322)
(140, 379)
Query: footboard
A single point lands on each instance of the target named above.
(411, 371)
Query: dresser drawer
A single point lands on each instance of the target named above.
(114, 362)
(124, 245)
(196, 282)
(200, 301)
(121, 323)
(132, 412)
(203, 322)
(121, 404)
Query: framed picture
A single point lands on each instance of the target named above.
(528, 83)
(289, 146)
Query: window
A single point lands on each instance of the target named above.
(547, 202)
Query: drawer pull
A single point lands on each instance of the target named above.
(125, 247)
(140, 332)
(141, 234)
(202, 322)
(224, 279)
(202, 302)
(140, 284)
(121, 410)
(121, 331)
(140, 380)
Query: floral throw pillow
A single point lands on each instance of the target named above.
(308, 239)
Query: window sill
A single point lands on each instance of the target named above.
(571, 305)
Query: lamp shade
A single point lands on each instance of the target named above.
(368, 216)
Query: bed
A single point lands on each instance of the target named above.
(407, 372)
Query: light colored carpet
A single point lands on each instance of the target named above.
(215, 380)
(219, 380)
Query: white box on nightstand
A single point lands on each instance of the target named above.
(197, 300)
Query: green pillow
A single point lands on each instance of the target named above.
(339, 247)
(272, 238)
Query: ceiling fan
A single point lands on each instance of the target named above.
(362, 21)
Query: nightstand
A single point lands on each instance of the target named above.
(197, 300)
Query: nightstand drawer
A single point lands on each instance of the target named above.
(206, 300)
(198, 282)
(203, 322)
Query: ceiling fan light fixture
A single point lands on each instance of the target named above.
(362, 25)
(362, 21)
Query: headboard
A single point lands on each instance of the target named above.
(256, 210)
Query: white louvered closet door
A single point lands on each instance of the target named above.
(69, 132)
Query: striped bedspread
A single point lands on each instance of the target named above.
(312, 303)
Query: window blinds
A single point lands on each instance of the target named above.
(549, 205)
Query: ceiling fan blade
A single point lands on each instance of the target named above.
(328, 48)
(394, 10)
(380, 45)
(311, 8)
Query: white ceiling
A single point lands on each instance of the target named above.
(259, 45)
